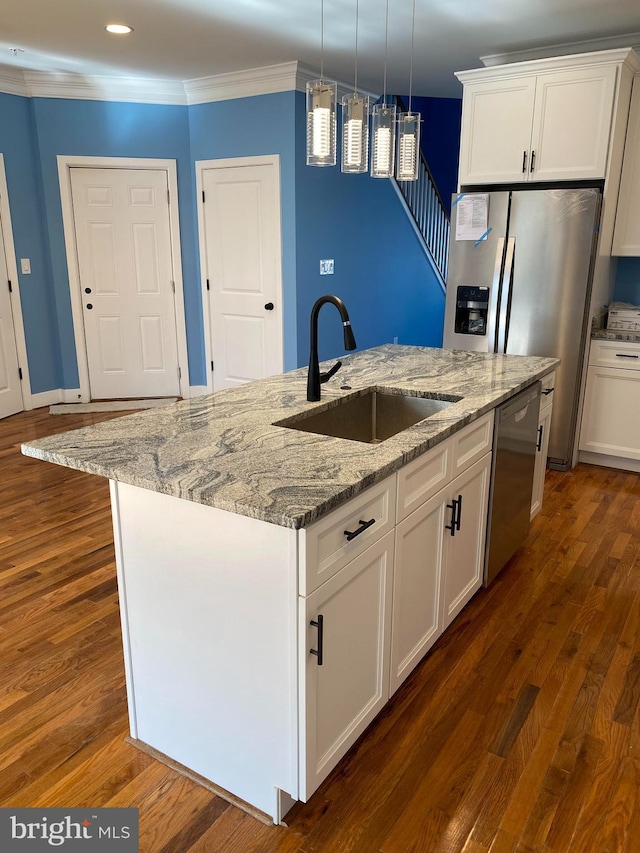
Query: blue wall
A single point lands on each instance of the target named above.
(381, 272)
(29, 234)
(627, 286)
(440, 141)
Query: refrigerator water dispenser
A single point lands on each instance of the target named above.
(472, 309)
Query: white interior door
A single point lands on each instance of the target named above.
(10, 390)
(121, 220)
(242, 248)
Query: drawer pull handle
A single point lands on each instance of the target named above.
(319, 624)
(625, 355)
(547, 391)
(453, 526)
(351, 534)
(539, 444)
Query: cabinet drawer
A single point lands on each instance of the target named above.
(423, 477)
(624, 355)
(324, 545)
(548, 387)
(471, 443)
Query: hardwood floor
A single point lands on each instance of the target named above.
(520, 731)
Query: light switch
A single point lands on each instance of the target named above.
(326, 267)
(25, 266)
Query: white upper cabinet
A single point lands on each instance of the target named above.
(626, 235)
(544, 120)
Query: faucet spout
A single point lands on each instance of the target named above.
(314, 377)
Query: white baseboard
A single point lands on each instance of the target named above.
(609, 461)
(197, 390)
(51, 398)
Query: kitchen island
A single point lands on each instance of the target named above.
(276, 585)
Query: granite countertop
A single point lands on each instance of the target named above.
(615, 335)
(223, 449)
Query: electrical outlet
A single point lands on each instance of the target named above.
(326, 267)
(395, 340)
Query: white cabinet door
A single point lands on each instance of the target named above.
(496, 130)
(465, 549)
(417, 615)
(611, 413)
(626, 236)
(571, 124)
(348, 621)
(540, 469)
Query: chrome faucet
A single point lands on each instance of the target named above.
(315, 378)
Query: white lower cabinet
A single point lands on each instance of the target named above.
(345, 634)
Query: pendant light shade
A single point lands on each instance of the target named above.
(321, 123)
(408, 146)
(355, 133)
(383, 131)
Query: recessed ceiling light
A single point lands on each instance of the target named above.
(121, 29)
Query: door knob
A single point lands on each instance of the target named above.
(89, 306)
(269, 306)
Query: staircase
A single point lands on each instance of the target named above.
(429, 215)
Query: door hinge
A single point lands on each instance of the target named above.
(20, 373)
(211, 365)
(168, 197)
(173, 286)
(11, 288)
(203, 196)
(179, 373)
(208, 288)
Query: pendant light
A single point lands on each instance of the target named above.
(409, 128)
(355, 124)
(383, 125)
(321, 113)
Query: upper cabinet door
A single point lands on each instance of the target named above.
(626, 236)
(496, 130)
(571, 124)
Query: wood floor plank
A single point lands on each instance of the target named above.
(520, 730)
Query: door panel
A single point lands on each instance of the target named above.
(10, 390)
(123, 241)
(241, 217)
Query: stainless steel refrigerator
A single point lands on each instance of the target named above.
(519, 282)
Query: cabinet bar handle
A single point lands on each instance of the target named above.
(539, 444)
(459, 512)
(351, 534)
(625, 355)
(524, 162)
(547, 391)
(452, 527)
(319, 624)
(533, 161)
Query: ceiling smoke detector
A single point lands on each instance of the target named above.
(16, 50)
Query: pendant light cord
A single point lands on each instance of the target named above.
(322, 39)
(413, 29)
(386, 46)
(355, 81)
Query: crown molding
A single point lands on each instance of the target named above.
(631, 40)
(12, 81)
(561, 62)
(41, 84)
(242, 84)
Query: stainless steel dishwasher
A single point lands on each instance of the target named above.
(514, 455)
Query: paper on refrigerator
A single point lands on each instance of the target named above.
(472, 216)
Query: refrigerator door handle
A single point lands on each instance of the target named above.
(494, 295)
(505, 297)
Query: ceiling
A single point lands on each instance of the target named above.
(185, 39)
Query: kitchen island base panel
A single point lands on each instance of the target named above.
(208, 604)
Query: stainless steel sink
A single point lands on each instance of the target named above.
(370, 416)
